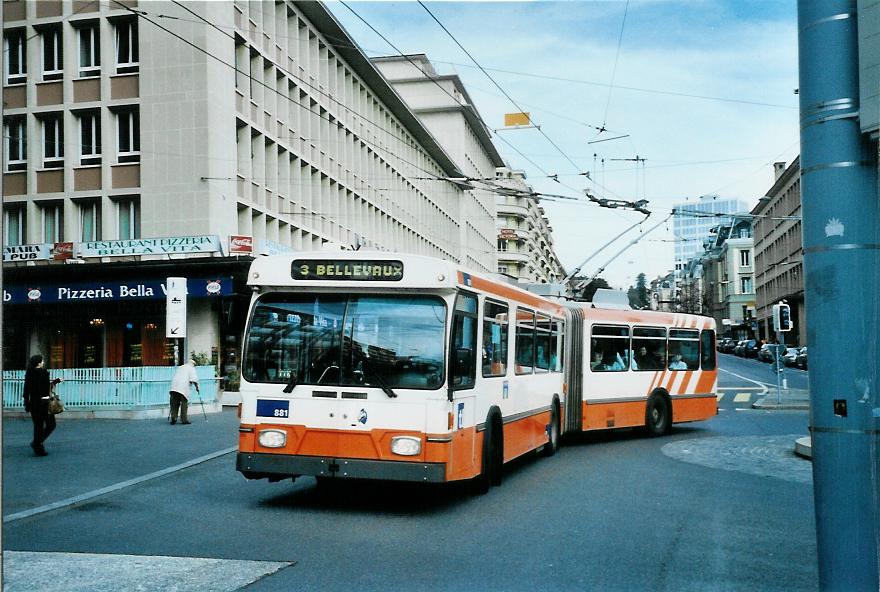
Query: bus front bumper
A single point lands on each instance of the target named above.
(275, 466)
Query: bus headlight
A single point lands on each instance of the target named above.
(406, 445)
(272, 438)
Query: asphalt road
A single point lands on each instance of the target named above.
(717, 505)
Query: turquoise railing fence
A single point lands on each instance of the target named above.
(112, 388)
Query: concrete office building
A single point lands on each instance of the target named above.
(144, 147)
(443, 104)
(779, 253)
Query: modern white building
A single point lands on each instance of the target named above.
(152, 139)
(694, 220)
(525, 237)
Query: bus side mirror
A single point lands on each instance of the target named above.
(462, 364)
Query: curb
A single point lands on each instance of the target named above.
(767, 406)
(804, 447)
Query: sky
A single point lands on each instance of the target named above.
(704, 90)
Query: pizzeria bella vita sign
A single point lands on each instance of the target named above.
(114, 248)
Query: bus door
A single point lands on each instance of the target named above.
(463, 356)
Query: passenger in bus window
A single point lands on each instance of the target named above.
(611, 362)
(597, 359)
(676, 363)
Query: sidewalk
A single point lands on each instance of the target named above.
(86, 455)
(788, 399)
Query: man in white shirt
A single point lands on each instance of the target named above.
(183, 378)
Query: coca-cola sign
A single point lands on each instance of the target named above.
(62, 251)
(240, 244)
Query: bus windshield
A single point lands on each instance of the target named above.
(346, 340)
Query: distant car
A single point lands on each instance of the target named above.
(726, 345)
(801, 359)
(751, 348)
(766, 353)
(740, 347)
(789, 358)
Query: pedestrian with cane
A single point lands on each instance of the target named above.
(180, 385)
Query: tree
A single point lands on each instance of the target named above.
(638, 294)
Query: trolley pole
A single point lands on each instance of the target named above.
(842, 267)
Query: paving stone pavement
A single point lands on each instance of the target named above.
(764, 456)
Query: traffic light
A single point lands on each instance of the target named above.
(781, 317)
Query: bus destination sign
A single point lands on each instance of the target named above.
(378, 270)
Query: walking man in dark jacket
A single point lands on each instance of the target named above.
(37, 388)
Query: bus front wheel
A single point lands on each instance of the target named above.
(492, 457)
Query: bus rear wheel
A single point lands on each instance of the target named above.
(552, 444)
(658, 415)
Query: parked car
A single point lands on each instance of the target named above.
(789, 358)
(751, 348)
(801, 359)
(740, 347)
(726, 345)
(766, 353)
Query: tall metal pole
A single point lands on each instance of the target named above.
(842, 268)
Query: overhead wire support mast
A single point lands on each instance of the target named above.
(589, 280)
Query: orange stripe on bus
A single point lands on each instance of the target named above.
(514, 294)
(687, 380)
(707, 380)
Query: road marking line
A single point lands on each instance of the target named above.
(740, 388)
(115, 487)
(763, 386)
(742, 398)
(719, 396)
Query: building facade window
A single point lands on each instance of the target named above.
(129, 211)
(89, 51)
(53, 141)
(128, 135)
(745, 258)
(746, 285)
(15, 141)
(52, 222)
(15, 54)
(127, 53)
(14, 225)
(502, 245)
(90, 220)
(53, 56)
(90, 137)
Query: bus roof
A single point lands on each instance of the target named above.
(383, 270)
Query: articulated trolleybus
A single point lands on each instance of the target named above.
(402, 367)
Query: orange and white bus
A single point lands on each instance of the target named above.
(402, 367)
(634, 368)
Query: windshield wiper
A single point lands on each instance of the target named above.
(381, 381)
(291, 383)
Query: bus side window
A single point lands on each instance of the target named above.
(557, 346)
(707, 349)
(494, 339)
(684, 349)
(463, 358)
(525, 341)
(543, 336)
(609, 348)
